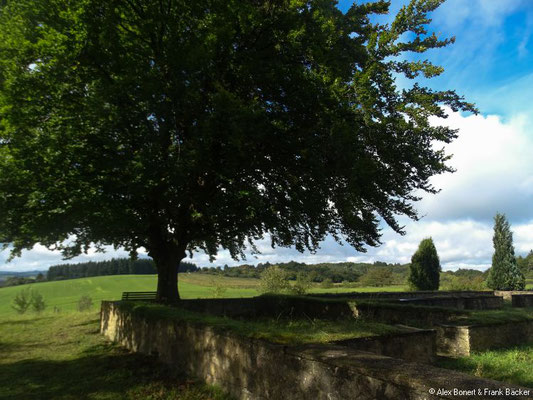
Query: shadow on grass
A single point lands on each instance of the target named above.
(6, 348)
(90, 322)
(94, 374)
(23, 321)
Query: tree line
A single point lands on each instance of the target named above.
(317, 273)
(115, 266)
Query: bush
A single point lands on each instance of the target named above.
(302, 284)
(377, 276)
(274, 280)
(37, 301)
(425, 267)
(22, 301)
(326, 283)
(27, 298)
(218, 289)
(85, 303)
(452, 282)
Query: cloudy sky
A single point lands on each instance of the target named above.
(491, 63)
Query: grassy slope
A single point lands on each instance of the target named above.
(65, 294)
(64, 357)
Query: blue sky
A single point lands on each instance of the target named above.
(491, 64)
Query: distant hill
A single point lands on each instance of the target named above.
(24, 274)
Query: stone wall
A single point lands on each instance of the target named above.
(331, 309)
(254, 369)
(463, 340)
(405, 295)
(522, 300)
(465, 302)
(404, 314)
(417, 345)
(507, 294)
(272, 306)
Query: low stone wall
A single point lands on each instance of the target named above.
(463, 340)
(522, 300)
(507, 294)
(471, 302)
(405, 295)
(330, 309)
(405, 314)
(272, 306)
(416, 345)
(254, 369)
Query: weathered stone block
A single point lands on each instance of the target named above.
(463, 340)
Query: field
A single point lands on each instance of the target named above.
(65, 294)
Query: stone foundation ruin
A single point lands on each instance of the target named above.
(393, 366)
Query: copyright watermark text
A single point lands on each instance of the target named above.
(485, 392)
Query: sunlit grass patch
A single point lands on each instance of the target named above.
(507, 365)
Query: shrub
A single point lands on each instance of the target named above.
(302, 284)
(451, 282)
(37, 301)
(425, 267)
(218, 289)
(85, 303)
(377, 276)
(27, 298)
(326, 283)
(274, 280)
(22, 301)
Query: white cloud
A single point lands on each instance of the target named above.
(482, 13)
(494, 171)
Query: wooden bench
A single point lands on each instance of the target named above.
(139, 296)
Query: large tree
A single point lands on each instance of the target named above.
(180, 126)
(504, 273)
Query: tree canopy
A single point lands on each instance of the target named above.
(181, 126)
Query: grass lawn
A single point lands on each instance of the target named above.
(63, 356)
(507, 365)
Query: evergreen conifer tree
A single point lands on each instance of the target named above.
(504, 273)
(424, 272)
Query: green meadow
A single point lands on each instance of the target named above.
(65, 294)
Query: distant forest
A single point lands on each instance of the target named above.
(334, 272)
(115, 266)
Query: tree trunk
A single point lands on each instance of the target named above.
(167, 263)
